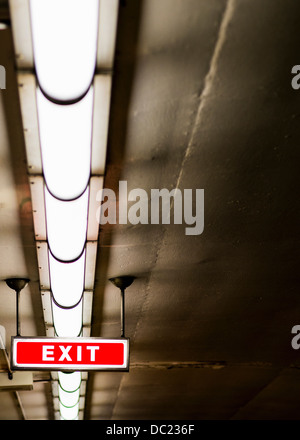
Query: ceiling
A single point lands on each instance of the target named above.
(201, 99)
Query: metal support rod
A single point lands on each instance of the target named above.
(17, 312)
(17, 284)
(122, 313)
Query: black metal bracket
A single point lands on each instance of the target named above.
(16, 284)
(122, 282)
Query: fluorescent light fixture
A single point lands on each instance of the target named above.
(84, 378)
(65, 109)
(67, 280)
(66, 225)
(64, 34)
(69, 381)
(86, 313)
(69, 413)
(67, 322)
(68, 399)
(65, 136)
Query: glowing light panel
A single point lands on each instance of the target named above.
(64, 34)
(65, 136)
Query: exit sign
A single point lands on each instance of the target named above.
(80, 354)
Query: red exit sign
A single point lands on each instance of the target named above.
(80, 354)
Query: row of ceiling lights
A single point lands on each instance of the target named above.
(65, 136)
(61, 96)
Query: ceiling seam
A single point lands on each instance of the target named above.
(214, 365)
(208, 80)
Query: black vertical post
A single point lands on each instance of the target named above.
(17, 313)
(17, 284)
(122, 313)
(122, 282)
